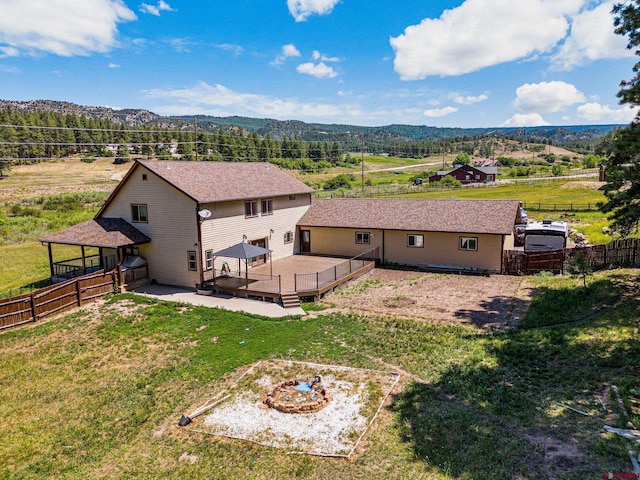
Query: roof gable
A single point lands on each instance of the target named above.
(429, 215)
(101, 232)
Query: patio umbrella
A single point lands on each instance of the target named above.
(244, 251)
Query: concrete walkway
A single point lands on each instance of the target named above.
(225, 302)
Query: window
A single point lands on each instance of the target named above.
(292, 197)
(288, 237)
(267, 206)
(131, 252)
(489, 178)
(251, 208)
(209, 259)
(139, 213)
(144, 176)
(415, 241)
(477, 177)
(192, 261)
(468, 243)
(363, 237)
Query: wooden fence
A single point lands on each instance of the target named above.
(624, 253)
(56, 298)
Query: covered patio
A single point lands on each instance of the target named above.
(115, 240)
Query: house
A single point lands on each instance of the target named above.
(467, 174)
(432, 233)
(167, 221)
(176, 214)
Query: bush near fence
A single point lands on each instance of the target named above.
(55, 298)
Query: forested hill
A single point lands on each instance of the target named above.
(349, 136)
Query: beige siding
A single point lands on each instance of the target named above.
(443, 249)
(228, 224)
(172, 226)
(438, 249)
(341, 242)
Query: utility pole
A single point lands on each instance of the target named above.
(195, 133)
(362, 162)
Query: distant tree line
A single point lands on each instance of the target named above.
(62, 135)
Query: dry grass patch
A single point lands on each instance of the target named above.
(487, 303)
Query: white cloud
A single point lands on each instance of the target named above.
(595, 112)
(228, 47)
(439, 112)
(219, 100)
(592, 38)
(61, 27)
(9, 52)
(320, 70)
(481, 33)
(468, 100)
(322, 57)
(525, 120)
(113, 65)
(156, 9)
(303, 9)
(288, 51)
(14, 70)
(546, 97)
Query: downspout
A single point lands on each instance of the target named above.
(502, 256)
(199, 224)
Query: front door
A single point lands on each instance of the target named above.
(305, 241)
(260, 259)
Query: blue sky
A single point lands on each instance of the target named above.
(472, 63)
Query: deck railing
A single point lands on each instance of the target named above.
(73, 268)
(305, 282)
(240, 280)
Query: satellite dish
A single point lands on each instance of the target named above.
(204, 213)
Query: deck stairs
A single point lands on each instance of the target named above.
(290, 300)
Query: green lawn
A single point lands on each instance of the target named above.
(97, 394)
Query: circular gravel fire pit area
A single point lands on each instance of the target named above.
(293, 396)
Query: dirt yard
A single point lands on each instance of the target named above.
(485, 303)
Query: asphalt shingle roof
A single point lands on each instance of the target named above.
(428, 215)
(100, 232)
(208, 182)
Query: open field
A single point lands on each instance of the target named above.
(98, 393)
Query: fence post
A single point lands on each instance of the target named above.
(295, 282)
(78, 292)
(33, 307)
(317, 280)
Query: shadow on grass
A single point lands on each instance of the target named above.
(496, 312)
(485, 417)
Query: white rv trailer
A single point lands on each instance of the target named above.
(545, 235)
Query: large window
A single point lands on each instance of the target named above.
(192, 261)
(267, 206)
(209, 259)
(468, 243)
(139, 213)
(363, 237)
(415, 241)
(251, 208)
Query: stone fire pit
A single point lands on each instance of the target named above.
(293, 396)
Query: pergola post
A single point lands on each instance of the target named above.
(50, 259)
(84, 261)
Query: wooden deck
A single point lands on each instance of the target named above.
(304, 275)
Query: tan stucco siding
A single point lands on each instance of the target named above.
(341, 242)
(171, 225)
(438, 249)
(228, 224)
(443, 249)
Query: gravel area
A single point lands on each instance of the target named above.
(333, 431)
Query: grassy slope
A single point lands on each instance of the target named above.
(98, 394)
